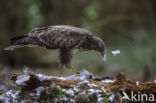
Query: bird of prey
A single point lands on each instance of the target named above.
(62, 37)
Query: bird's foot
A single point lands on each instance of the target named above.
(74, 72)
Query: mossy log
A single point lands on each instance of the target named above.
(120, 84)
(82, 88)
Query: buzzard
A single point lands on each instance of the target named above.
(62, 37)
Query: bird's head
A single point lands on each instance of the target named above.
(97, 44)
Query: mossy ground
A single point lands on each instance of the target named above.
(55, 94)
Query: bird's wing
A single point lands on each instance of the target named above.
(59, 37)
(38, 31)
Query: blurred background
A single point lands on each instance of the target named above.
(125, 25)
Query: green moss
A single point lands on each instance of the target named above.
(82, 99)
(54, 93)
(83, 87)
(105, 99)
(93, 98)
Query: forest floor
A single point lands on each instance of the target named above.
(28, 87)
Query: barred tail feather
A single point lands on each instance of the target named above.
(18, 40)
(14, 47)
(19, 46)
(22, 41)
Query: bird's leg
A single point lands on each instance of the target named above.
(73, 71)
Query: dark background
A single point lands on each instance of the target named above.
(125, 25)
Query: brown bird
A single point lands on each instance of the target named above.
(63, 37)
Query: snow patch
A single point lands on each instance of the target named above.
(65, 98)
(43, 77)
(56, 100)
(76, 89)
(108, 81)
(10, 96)
(111, 96)
(72, 77)
(84, 74)
(22, 79)
(82, 92)
(25, 70)
(92, 85)
(88, 83)
(69, 92)
(97, 93)
(94, 91)
(100, 100)
(37, 95)
(39, 90)
(83, 82)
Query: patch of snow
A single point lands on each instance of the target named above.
(32, 94)
(94, 91)
(58, 87)
(83, 82)
(56, 100)
(76, 89)
(10, 96)
(65, 98)
(92, 85)
(72, 101)
(62, 78)
(43, 77)
(100, 100)
(72, 77)
(116, 52)
(63, 90)
(70, 92)
(137, 83)
(87, 82)
(104, 57)
(22, 79)
(84, 74)
(39, 90)
(97, 93)
(91, 91)
(108, 81)
(111, 96)
(53, 84)
(25, 70)
(82, 92)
